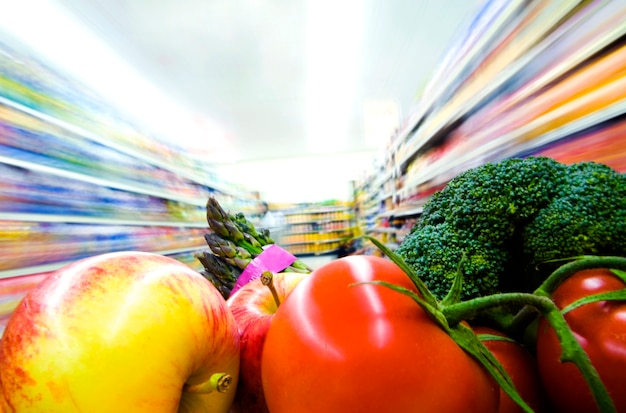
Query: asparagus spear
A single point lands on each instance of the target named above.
(247, 227)
(219, 268)
(228, 251)
(219, 273)
(224, 289)
(218, 217)
(234, 243)
(222, 224)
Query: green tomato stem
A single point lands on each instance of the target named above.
(219, 382)
(450, 313)
(571, 350)
(583, 263)
(465, 338)
(427, 296)
(521, 320)
(471, 344)
(527, 314)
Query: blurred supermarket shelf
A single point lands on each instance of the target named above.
(46, 268)
(74, 219)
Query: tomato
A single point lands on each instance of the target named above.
(600, 328)
(521, 365)
(338, 347)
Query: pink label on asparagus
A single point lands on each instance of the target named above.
(273, 258)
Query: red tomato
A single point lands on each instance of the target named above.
(600, 329)
(337, 347)
(522, 367)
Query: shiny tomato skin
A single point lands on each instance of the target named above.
(521, 365)
(337, 347)
(600, 329)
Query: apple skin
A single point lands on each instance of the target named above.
(119, 332)
(253, 307)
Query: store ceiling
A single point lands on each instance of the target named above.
(281, 78)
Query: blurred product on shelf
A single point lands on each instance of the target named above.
(33, 244)
(317, 228)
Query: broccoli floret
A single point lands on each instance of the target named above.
(509, 218)
(588, 217)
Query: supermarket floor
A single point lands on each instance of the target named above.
(315, 261)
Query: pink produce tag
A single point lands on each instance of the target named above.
(273, 258)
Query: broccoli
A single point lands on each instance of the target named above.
(509, 218)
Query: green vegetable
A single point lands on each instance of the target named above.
(233, 242)
(511, 218)
(220, 273)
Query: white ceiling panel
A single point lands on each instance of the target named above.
(283, 78)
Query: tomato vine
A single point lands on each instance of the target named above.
(450, 314)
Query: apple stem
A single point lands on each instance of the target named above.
(219, 382)
(267, 278)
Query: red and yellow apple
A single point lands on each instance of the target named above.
(253, 307)
(120, 332)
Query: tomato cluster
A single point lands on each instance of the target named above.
(521, 366)
(600, 327)
(337, 345)
(345, 341)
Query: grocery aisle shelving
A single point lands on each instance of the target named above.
(79, 179)
(317, 229)
(539, 78)
(46, 268)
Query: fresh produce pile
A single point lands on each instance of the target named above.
(234, 242)
(139, 332)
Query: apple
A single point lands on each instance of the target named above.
(253, 307)
(120, 332)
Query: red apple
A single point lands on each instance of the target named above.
(253, 307)
(120, 332)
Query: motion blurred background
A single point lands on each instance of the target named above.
(120, 118)
(297, 83)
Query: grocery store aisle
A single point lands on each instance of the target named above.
(315, 261)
